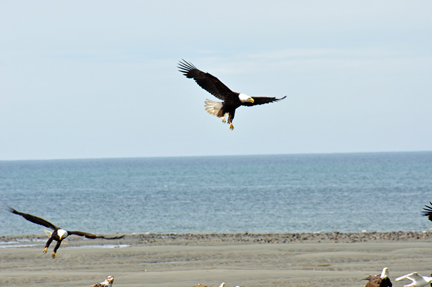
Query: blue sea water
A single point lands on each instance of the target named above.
(221, 194)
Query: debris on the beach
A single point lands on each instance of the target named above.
(107, 283)
(201, 285)
(379, 280)
(417, 280)
(59, 234)
(277, 238)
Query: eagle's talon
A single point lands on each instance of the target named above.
(223, 120)
(231, 127)
(45, 250)
(53, 255)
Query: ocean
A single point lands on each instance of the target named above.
(221, 194)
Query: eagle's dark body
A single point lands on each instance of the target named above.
(379, 280)
(376, 281)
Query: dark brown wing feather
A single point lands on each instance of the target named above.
(373, 284)
(92, 236)
(377, 281)
(374, 281)
(427, 211)
(34, 219)
(206, 81)
(262, 100)
(372, 277)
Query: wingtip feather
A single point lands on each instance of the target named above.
(185, 66)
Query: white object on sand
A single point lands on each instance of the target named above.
(107, 283)
(417, 279)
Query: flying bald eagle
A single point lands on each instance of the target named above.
(107, 283)
(58, 233)
(417, 280)
(380, 280)
(231, 100)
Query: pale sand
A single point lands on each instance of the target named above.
(210, 259)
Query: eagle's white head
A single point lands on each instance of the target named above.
(62, 234)
(110, 280)
(384, 273)
(245, 98)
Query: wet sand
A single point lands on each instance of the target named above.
(288, 259)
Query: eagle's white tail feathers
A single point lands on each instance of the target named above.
(48, 233)
(212, 107)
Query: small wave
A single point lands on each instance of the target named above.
(16, 245)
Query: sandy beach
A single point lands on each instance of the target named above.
(289, 259)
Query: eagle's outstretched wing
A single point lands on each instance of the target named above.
(261, 101)
(206, 81)
(427, 211)
(92, 236)
(34, 219)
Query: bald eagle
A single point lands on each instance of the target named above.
(231, 100)
(58, 233)
(107, 283)
(427, 211)
(417, 280)
(201, 285)
(380, 280)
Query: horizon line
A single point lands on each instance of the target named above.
(221, 155)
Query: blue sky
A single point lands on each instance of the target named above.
(99, 79)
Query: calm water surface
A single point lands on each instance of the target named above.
(276, 193)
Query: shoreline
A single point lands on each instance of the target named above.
(240, 259)
(229, 238)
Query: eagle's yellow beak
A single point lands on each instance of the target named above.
(251, 100)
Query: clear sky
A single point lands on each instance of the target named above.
(99, 79)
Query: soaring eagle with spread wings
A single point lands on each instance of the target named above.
(58, 234)
(231, 100)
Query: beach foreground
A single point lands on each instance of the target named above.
(319, 259)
